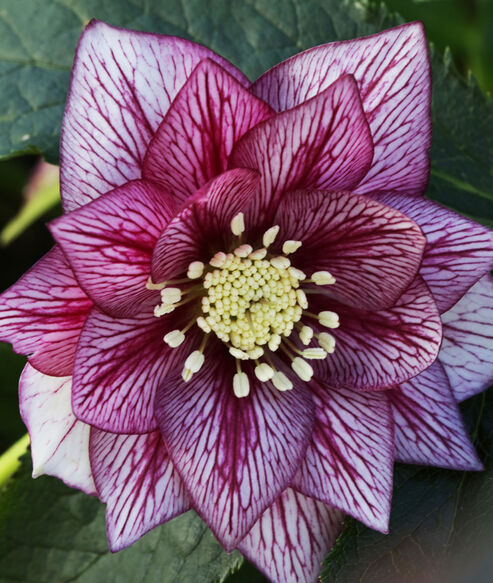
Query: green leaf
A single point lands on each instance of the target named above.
(51, 534)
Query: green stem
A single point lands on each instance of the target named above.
(9, 461)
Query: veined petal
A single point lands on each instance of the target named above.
(136, 479)
(193, 143)
(123, 83)
(234, 456)
(377, 350)
(291, 538)
(468, 341)
(392, 70)
(43, 313)
(324, 143)
(204, 226)
(458, 251)
(373, 252)
(109, 243)
(429, 428)
(119, 364)
(349, 462)
(59, 442)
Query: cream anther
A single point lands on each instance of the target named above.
(203, 324)
(163, 309)
(302, 368)
(243, 250)
(314, 353)
(264, 372)
(258, 254)
(297, 273)
(270, 236)
(290, 246)
(323, 278)
(218, 260)
(155, 286)
(280, 262)
(329, 319)
(241, 385)
(174, 338)
(274, 342)
(237, 353)
(195, 270)
(257, 352)
(193, 364)
(170, 295)
(306, 335)
(301, 297)
(238, 224)
(281, 382)
(327, 342)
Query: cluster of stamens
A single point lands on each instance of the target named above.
(252, 301)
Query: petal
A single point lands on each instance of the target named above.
(43, 313)
(373, 252)
(109, 244)
(59, 442)
(292, 537)
(136, 479)
(377, 350)
(235, 455)
(204, 226)
(467, 349)
(323, 143)
(429, 428)
(458, 251)
(123, 83)
(349, 462)
(392, 70)
(119, 364)
(194, 141)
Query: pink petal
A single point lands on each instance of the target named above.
(235, 456)
(392, 70)
(136, 479)
(429, 429)
(109, 243)
(123, 83)
(377, 350)
(292, 537)
(195, 139)
(119, 364)
(467, 347)
(204, 226)
(373, 252)
(323, 143)
(458, 251)
(43, 313)
(59, 442)
(349, 462)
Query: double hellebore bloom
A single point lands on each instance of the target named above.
(251, 310)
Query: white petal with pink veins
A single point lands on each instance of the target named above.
(393, 74)
(292, 537)
(137, 481)
(122, 85)
(467, 349)
(59, 442)
(429, 429)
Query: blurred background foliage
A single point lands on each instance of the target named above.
(466, 26)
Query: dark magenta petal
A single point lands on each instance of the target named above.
(119, 364)
(349, 462)
(392, 70)
(292, 537)
(376, 350)
(458, 251)
(59, 442)
(374, 252)
(123, 83)
(109, 243)
(235, 456)
(204, 226)
(43, 313)
(193, 143)
(467, 341)
(429, 429)
(136, 479)
(323, 143)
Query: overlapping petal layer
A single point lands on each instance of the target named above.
(292, 536)
(193, 143)
(136, 479)
(123, 83)
(393, 74)
(59, 442)
(349, 462)
(43, 313)
(428, 425)
(232, 456)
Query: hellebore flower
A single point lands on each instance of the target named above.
(251, 310)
